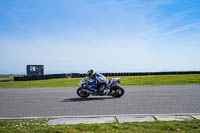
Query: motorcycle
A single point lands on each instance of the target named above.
(88, 87)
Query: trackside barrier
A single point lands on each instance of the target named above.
(80, 75)
(5, 80)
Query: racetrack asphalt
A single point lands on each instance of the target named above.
(35, 102)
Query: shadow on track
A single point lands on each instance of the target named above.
(86, 99)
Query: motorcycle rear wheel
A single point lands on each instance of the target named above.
(82, 94)
(117, 91)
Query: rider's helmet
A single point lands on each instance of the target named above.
(90, 72)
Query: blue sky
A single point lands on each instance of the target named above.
(106, 35)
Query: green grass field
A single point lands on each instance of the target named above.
(40, 126)
(189, 79)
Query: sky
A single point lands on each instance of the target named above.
(105, 35)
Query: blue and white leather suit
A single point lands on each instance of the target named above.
(102, 81)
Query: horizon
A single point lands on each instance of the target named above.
(100, 72)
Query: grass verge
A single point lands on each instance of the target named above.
(187, 79)
(40, 126)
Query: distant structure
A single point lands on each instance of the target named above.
(35, 70)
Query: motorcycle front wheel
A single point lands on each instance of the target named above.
(117, 91)
(82, 94)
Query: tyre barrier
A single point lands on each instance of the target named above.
(81, 75)
(74, 75)
(18, 78)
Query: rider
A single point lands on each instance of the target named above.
(102, 81)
